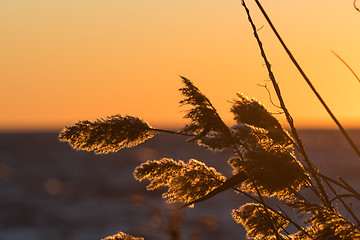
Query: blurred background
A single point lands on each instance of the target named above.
(48, 190)
(65, 61)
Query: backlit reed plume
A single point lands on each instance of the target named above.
(204, 118)
(107, 134)
(186, 182)
(274, 172)
(324, 223)
(122, 236)
(250, 111)
(253, 217)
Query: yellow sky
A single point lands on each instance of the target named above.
(62, 61)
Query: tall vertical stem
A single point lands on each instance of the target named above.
(357, 151)
(324, 197)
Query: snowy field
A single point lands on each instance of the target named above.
(50, 191)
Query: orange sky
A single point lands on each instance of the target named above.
(64, 61)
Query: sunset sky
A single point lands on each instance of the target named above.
(62, 61)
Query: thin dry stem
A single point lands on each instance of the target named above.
(323, 196)
(347, 65)
(343, 203)
(350, 141)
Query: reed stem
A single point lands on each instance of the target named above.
(341, 128)
(323, 196)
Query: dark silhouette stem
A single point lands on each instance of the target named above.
(343, 203)
(349, 187)
(308, 80)
(339, 184)
(172, 132)
(282, 215)
(343, 196)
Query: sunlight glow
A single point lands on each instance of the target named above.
(63, 60)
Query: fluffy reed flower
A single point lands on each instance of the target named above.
(216, 141)
(274, 172)
(336, 227)
(244, 135)
(253, 217)
(186, 182)
(203, 115)
(250, 111)
(122, 236)
(325, 224)
(159, 172)
(250, 137)
(107, 135)
(229, 183)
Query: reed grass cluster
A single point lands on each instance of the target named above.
(267, 161)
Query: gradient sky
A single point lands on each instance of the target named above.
(62, 61)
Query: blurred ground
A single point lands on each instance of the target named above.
(50, 191)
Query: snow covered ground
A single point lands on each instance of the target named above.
(50, 191)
